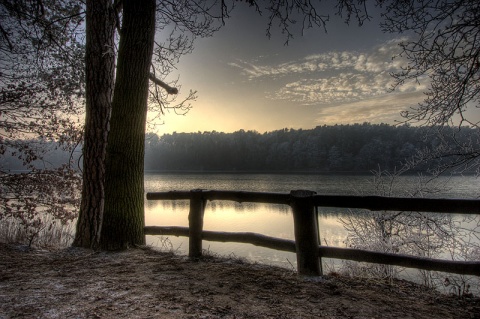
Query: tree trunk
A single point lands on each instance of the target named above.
(124, 190)
(99, 72)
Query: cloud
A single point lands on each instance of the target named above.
(331, 77)
(379, 59)
(379, 109)
(346, 87)
(342, 88)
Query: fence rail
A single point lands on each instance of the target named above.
(306, 244)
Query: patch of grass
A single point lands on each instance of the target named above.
(48, 233)
(164, 244)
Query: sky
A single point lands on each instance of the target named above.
(247, 81)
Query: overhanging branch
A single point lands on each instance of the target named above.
(168, 88)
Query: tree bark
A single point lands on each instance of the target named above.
(124, 190)
(99, 72)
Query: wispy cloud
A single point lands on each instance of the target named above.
(347, 86)
(383, 109)
(341, 88)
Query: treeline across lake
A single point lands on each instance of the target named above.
(348, 148)
(339, 148)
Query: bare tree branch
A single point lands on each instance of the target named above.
(168, 88)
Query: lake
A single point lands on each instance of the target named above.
(276, 220)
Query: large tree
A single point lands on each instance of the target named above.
(123, 214)
(99, 79)
(112, 213)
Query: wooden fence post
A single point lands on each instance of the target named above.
(195, 222)
(306, 233)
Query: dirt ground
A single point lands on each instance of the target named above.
(143, 283)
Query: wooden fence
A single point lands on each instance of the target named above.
(306, 231)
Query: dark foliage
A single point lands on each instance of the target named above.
(353, 148)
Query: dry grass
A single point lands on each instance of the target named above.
(51, 233)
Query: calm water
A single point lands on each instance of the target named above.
(275, 220)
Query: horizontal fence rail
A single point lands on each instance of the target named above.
(306, 244)
(374, 203)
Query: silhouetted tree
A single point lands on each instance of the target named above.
(99, 73)
(117, 207)
(124, 211)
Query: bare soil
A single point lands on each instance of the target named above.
(144, 283)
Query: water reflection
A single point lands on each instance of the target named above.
(267, 219)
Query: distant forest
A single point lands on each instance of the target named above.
(358, 148)
(339, 148)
